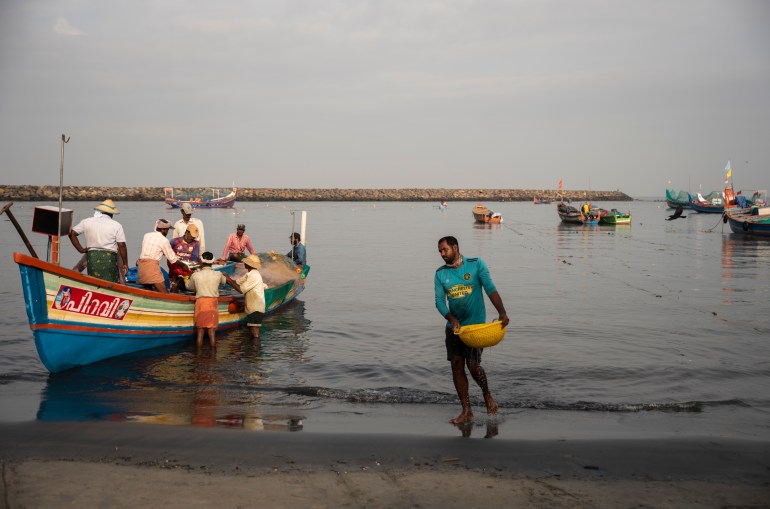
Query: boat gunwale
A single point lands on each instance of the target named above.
(30, 261)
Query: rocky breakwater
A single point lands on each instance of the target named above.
(95, 193)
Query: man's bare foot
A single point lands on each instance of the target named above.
(492, 407)
(465, 416)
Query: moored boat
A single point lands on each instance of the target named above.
(568, 213)
(755, 221)
(78, 319)
(216, 200)
(541, 200)
(674, 199)
(483, 215)
(615, 217)
(714, 203)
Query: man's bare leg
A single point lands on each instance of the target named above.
(161, 287)
(480, 376)
(461, 386)
(199, 338)
(212, 337)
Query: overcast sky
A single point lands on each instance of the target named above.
(365, 94)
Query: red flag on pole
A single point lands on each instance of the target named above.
(559, 184)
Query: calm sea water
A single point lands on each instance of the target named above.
(658, 323)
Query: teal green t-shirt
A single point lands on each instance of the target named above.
(460, 290)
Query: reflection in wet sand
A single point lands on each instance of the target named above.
(466, 428)
(227, 387)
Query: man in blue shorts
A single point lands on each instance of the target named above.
(459, 283)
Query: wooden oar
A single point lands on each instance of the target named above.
(7, 210)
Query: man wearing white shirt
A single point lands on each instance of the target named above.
(105, 243)
(155, 245)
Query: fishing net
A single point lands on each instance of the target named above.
(682, 197)
(277, 269)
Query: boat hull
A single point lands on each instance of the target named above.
(482, 214)
(674, 199)
(224, 203)
(481, 218)
(77, 319)
(747, 224)
(706, 208)
(614, 219)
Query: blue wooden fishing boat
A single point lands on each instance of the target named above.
(78, 319)
(755, 221)
(714, 203)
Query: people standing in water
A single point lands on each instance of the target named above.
(253, 288)
(105, 250)
(237, 244)
(155, 245)
(459, 285)
(181, 226)
(297, 254)
(205, 283)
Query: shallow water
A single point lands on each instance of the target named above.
(660, 321)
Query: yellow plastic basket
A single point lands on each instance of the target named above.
(482, 335)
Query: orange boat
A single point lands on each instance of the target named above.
(483, 215)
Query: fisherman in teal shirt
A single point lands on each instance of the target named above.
(459, 286)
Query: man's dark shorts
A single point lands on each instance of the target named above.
(455, 347)
(255, 319)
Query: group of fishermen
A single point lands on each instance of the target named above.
(105, 257)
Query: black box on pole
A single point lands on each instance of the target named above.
(46, 219)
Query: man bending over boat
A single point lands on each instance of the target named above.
(253, 289)
(155, 245)
(460, 283)
(105, 243)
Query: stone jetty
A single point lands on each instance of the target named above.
(97, 193)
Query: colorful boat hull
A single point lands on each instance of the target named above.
(78, 319)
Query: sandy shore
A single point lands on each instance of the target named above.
(138, 465)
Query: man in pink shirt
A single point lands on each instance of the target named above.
(237, 244)
(154, 246)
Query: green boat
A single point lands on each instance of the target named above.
(614, 217)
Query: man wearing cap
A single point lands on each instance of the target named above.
(253, 289)
(181, 226)
(237, 244)
(297, 253)
(205, 283)
(105, 243)
(187, 249)
(154, 246)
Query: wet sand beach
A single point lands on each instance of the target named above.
(125, 465)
